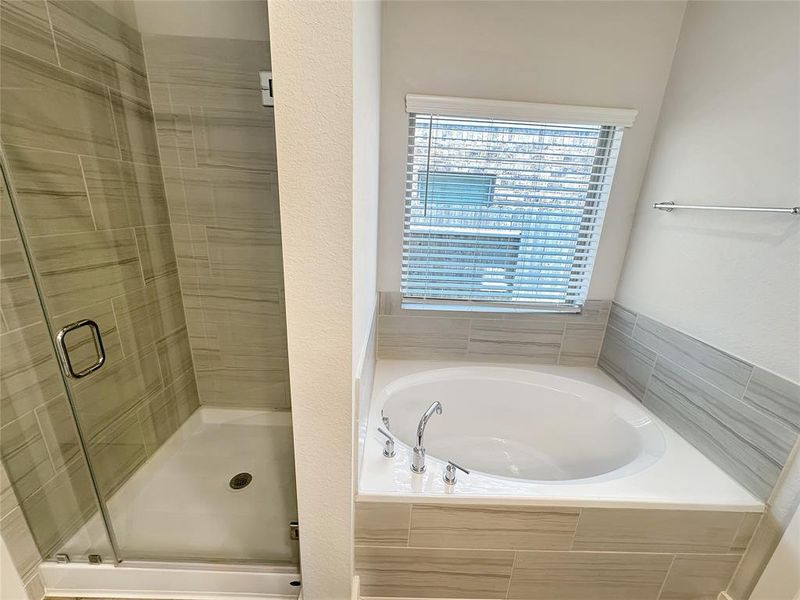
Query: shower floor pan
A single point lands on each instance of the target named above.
(180, 508)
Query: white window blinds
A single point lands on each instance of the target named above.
(504, 213)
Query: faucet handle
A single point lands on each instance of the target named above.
(450, 472)
(388, 447)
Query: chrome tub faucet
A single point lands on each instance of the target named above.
(418, 460)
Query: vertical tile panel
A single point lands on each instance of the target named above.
(581, 345)
(58, 429)
(29, 375)
(116, 453)
(382, 523)
(156, 252)
(58, 509)
(174, 354)
(627, 361)
(135, 128)
(25, 455)
(622, 319)
(20, 543)
(18, 299)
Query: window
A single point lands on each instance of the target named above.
(505, 211)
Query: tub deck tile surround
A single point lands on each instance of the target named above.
(637, 530)
(743, 418)
(699, 576)
(534, 338)
(433, 572)
(496, 527)
(582, 575)
(435, 550)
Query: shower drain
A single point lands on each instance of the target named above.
(240, 480)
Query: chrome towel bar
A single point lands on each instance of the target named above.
(670, 206)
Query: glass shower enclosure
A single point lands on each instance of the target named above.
(145, 406)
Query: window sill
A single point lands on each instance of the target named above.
(483, 308)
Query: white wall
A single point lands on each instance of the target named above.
(781, 578)
(728, 134)
(614, 54)
(11, 587)
(312, 58)
(235, 19)
(366, 150)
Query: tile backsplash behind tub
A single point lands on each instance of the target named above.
(743, 418)
(535, 338)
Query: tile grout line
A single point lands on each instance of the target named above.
(88, 196)
(44, 440)
(52, 33)
(561, 345)
(410, 518)
(511, 574)
(666, 576)
(138, 255)
(575, 533)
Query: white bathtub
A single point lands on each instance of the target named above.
(533, 435)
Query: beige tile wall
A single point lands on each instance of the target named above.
(218, 150)
(546, 553)
(563, 339)
(80, 142)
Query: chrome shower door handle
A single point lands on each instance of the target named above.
(63, 353)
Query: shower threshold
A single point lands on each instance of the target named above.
(206, 518)
(176, 581)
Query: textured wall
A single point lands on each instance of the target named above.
(312, 54)
(729, 133)
(218, 155)
(79, 139)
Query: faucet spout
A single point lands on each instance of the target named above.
(418, 459)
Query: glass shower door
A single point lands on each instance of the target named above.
(52, 490)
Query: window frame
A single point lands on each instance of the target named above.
(610, 121)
